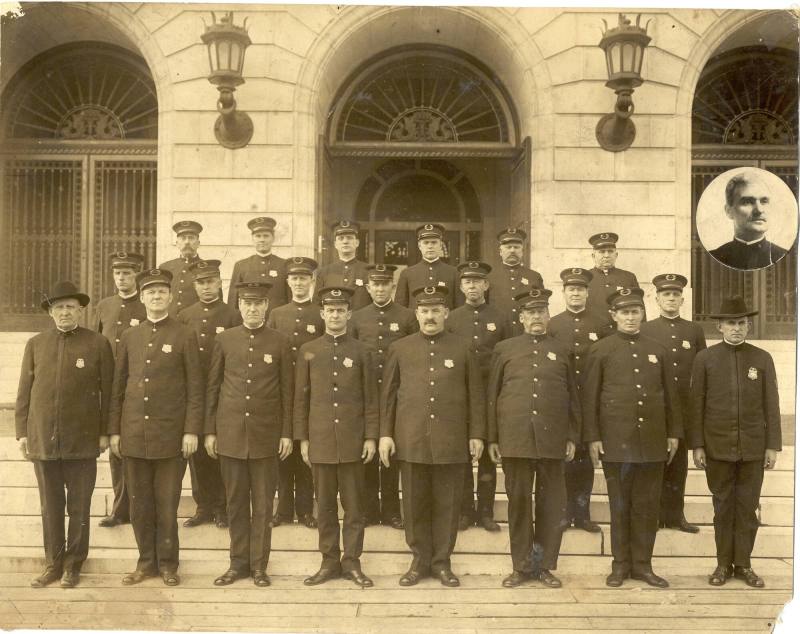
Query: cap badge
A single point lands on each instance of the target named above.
(297, 260)
(428, 227)
(474, 265)
(429, 290)
(185, 223)
(604, 236)
(155, 271)
(336, 292)
(380, 267)
(122, 254)
(670, 277)
(252, 285)
(344, 223)
(202, 265)
(535, 292)
(512, 230)
(576, 271)
(625, 292)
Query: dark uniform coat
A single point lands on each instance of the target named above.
(532, 400)
(482, 327)
(114, 315)
(301, 322)
(433, 399)
(352, 275)
(207, 321)
(336, 398)
(756, 255)
(424, 273)
(504, 283)
(629, 399)
(249, 392)
(579, 332)
(604, 284)
(735, 412)
(258, 268)
(64, 394)
(183, 293)
(159, 389)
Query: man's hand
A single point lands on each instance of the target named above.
(596, 451)
(494, 452)
(770, 458)
(189, 445)
(113, 441)
(570, 453)
(672, 448)
(102, 443)
(368, 452)
(210, 443)
(285, 448)
(22, 443)
(386, 449)
(699, 456)
(304, 452)
(475, 448)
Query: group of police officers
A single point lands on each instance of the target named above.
(337, 382)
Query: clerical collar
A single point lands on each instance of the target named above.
(134, 294)
(386, 305)
(431, 261)
(155, 321)
(68, 331)
(749, 242)
(259, 327)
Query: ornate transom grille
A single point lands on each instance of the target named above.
(430, 97)
(747, 96)
(95, 92)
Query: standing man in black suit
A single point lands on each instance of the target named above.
(262, 266)
(430, 271)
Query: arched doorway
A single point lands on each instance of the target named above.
(745, 114)
(79, 129)
(423, 134)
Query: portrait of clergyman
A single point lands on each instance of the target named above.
(747, 218)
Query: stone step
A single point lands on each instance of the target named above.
(773, 511)
(773, 541)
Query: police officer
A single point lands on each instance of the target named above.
(336, 421)
(432, 414)
(533, 433)
(347, 270)
(735, 432)
(683, 340)
(187, 239)
(578, 329)
(511, 277)
(61, 426)
(607, 279)
(430, 271)
(207, 317)
(113, 315)
(379, 324)
(483, 326)
(262, 266)
(301, 322)
(632, 420)
(248, 427)
(155, 418)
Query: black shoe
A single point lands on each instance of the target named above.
(720, 575)
(197, 519)
(308, 520)
(464, 522)
(413, 576)
(587, 525)
(322, 575)
(651, 579)
(70, 578)
(516, 578)
(359, 578)
(682, 526)
(749, 576)
(489, 524)
(615, 579)
(50, 575)
(547, 578)
(396, 522)
(447, 578)
(170, 578)
(261, 579)
(221, 520)
(137, 576)
(110, 521)
(277, 520)
(228, 577)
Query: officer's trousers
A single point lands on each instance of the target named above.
(431, 506)
(65, 483)
(295, 486)
(346, 480)
(634, 492)
(485, 489)
(579, 477)
(387, 481)
(121, 509)
(154, 487)
(249, 483)
(207, 488)
(674, 487)
(735, 489)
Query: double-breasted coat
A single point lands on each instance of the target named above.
(437, 273)
(483, 327)
(260, 268)
(604, 284)
(207, 321)
(380, 326)
(300, 321)
(507, 281)
(352, 275)
(579, 331)
(182, 285)
(115, 314)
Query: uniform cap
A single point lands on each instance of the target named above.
(669, 281)
(126, 259)
(733, 308)
(262, 223)
(343, 227)
(253, 290)
(624, 297)
(335, 295)
(187, 226)
(300, 266)
(431, 295)
(511, 234)
(64, 290)
(381, 272)
(474, 269)
(533, 298)
(430, 230)
(604, 240)
(576, 277)
(153, 276)
(205, 268)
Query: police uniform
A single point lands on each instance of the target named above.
(605, 283)
(112, 316)
(62, 409)
(483, 326)
(683, 340)
(748, 255)
(629, 403)
(183, 293)
(351, 274)
(207, 320)
(735, 418)
(432, 403)
(579, 331)
(436, 273)
(300, 322)
(261, 268)
(158, 396)
(505, 282)
(378, 327)
(249, 397)
(533, 410)
(336, 409)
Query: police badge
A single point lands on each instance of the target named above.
(686, 345)
(752, 374)
(311, 328)
(551, 356)
(448, 363)
(267, 358)
(525, 281)
(134, 322)
(167, 347)
(348, 362)
(359, 282)
(592, 336)
(441, 284)
(394, 327)
(220, 329)
(491, 327)
(652, 358)
(273, 273)
(79, 363)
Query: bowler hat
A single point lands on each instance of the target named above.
(732, 308)
(64, 290)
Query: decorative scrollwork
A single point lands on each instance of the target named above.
(422, 125)
(759, 127)
(90, 123)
